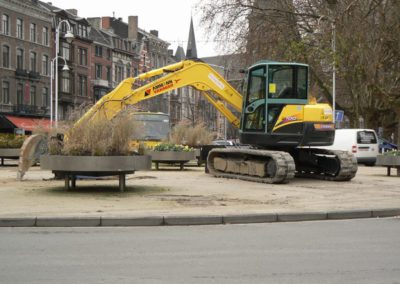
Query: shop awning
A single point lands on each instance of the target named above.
(28, 123)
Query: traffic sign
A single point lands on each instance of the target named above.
(339, 115)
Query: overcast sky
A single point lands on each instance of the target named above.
(170, 17)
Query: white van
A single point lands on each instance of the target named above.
(363, 143)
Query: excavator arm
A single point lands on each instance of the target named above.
(196, 74)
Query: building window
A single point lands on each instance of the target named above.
(20, 28)
(128, 70)
(98, 71)
(6, 24)
(33, 95)
(33, 61)
(65, 50)
(65, 82)
(98, 51)
(20, 58)
(6, 92)
(83, 56)
(20, 94)
(33, 32)
(82, 31)
(82, 89)
(45, 65)
(119, 73)
(109, 54)
(45, 97)
(109, 74)
(6, 56)
(45, 36)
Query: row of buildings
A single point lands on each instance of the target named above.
(104, 51)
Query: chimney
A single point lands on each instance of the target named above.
(72, 11)
(154, 33)
(106, 23)
(133, 27)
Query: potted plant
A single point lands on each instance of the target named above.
(10, 145)
(170, 153)
(96, 148)
(390, 160)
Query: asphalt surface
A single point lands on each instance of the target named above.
(341, 251)
(191, 197)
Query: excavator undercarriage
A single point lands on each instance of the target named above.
(280, 167)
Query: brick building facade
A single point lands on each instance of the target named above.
(26, 50)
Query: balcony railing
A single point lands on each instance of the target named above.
(21, 73)
(29, 109)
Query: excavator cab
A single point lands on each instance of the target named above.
(276, 111)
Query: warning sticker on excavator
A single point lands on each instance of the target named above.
(216, 81)
(272, 88)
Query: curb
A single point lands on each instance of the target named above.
(189, 220)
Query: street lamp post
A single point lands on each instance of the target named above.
(332, 4)
(65, 68)
(69, 37)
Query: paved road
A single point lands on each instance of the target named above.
(350, 251)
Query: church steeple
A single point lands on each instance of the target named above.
(191, 51)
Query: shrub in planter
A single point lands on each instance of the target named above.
(97, 138)
(11, 141)
(164, 147)
(186, 134)
(392, 153)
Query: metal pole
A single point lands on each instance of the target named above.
(56, 76)
(334, 70)
(51, 91)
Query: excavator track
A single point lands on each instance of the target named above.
(332, 165)
(251, 165)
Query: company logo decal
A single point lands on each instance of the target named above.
(163, 86)
(288, 119)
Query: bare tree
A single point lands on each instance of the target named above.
(366, 55)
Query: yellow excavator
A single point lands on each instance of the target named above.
(279, 125)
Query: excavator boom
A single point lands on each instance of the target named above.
(186, 73)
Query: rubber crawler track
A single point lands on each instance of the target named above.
(347, 171)
(285, 166)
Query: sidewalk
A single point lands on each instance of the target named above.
(160, 197)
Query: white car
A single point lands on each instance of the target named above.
(363, 143)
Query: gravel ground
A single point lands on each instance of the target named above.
(170, 191)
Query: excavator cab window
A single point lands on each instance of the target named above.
(254, 118)
(287, 82)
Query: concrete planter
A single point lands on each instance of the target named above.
(9, 153)
(171, 157)
(389, 162)
(71, 166)
(95, 163)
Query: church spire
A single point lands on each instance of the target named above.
(191, 51)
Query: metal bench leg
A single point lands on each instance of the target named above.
(67, 187)
(122, 184)
(73, 182)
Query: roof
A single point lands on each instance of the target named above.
(98, 36)
(27, 123)
(191, 51)
(180, 54)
